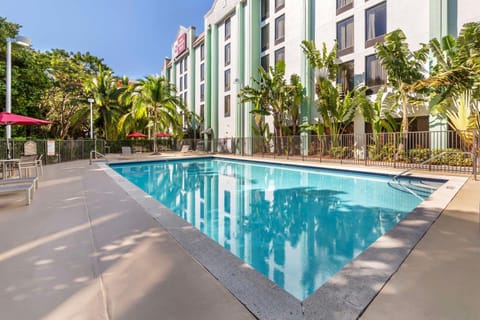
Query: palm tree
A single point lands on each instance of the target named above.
(156, 97)
(135, 119)
(404, 68)
(105, 89)
(325, 62)
(294, 100)
(464, 117)
(336, 108)
(379, 113)
(271, 95)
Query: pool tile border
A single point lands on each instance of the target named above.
(345, 296)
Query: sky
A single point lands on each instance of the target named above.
(132, 36)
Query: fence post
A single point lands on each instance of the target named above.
(365, 154)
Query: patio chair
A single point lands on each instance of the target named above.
(40, 163)
(126, 151)
(185, 148)
(25, 165)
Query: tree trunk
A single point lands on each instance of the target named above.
(404, 138)
(155, 149)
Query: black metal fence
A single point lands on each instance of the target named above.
(386, 149)
(395, 150)
(55, 151)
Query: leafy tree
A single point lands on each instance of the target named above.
(454, 79)
(294, 100)
(271, 95)
(378, 113)
(464, 117)
(404, 68)
(324, 62)
(28, 78)
(65, 102)
(336, 109)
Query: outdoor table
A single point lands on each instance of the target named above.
(6, 163)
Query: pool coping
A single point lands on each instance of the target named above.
(344, 296)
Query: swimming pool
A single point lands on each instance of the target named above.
(297, 226)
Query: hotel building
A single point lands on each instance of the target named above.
(209, 69)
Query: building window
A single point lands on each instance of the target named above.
(185, 98)
(265, 62)
(265, 37)
(345, 36)
(227, 80)
(181, 83)
(202, 52)
(202, 114)
(227, 106)
(265, 9)
(375, 24)
(344, 5)
(202, 92)
(345, 76)
(375, 75)
(280, 29)
(202, 72)
(185, 64)
(227, 200)
(227, 54)
(185, 82)
(279, 4)
(279, 55)
(228, 29)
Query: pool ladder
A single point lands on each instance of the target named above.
(94, 155)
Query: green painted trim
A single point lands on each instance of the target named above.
(443, 18)
(208, 80)
(306, 69)
(173, 74)
(191, 72)
(452, 16)
(214, 87)
(254, 53)
(240, 65)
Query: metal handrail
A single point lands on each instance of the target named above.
(96, 154)
(408, 190)
(474, 163)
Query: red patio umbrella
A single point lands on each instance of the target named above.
(136, 135)
(7, 118)
(163, 135)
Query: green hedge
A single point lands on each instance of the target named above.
(419, 155)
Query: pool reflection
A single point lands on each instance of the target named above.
(297, 227)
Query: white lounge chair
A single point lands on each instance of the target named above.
(13, 181)
(27, 187)
(185, 148)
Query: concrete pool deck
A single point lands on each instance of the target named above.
(85, 249)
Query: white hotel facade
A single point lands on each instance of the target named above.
(210, 68)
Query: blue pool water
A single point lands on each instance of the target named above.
(297, 226)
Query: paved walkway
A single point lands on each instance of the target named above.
(440, 279)
(85, 250)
